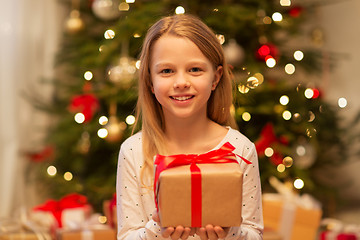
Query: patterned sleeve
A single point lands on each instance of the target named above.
(133, 222)
(252, 225)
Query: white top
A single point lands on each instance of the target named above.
(135, 204)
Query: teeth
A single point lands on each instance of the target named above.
(182, 98)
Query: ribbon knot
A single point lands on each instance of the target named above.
(224, 154)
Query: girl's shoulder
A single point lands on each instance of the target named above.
(132, 142)
(243, 145)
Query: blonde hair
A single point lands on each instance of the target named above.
(148, 108)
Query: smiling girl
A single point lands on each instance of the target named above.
(185, 95)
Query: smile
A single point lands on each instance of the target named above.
(181, 98)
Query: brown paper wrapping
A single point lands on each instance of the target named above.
(305, 224)
(19, 236)
(94, 234)
(221, 195)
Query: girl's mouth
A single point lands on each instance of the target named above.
(181, 98)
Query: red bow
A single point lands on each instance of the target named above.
(267, 139)
(222, 155)
(56, 207)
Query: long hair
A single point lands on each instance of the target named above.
(149, 111)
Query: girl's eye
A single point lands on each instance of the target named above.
(195, 69)
(166, 71)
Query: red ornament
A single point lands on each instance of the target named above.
(296, 11)
(41, 156)
(87, 104)
(269, 139)
(267, 50)
(316, 93)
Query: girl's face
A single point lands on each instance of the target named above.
(182, 77)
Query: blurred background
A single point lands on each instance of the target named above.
(68, 90)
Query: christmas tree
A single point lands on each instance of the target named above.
(295, 130)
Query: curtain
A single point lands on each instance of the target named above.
(29, 35)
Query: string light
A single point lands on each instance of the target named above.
(136, 35)
(285, 3)
(270, 61)
(79, 118)
(102, 219)
(300, 150)
(109, 34)
(309, 93)
(290, 68)
(269, 152)
(137, 64)
(68, 176)
(286, 115)
(277, 17)
(102, 133)
(221, 38)
(180, 10)
(88, 75)
(267, 20)
(103, 120)
(298, 55)
(124, 6)
(130, 1)
(280, 168)
(284, 100)
(288, 161)
(342, 102)
(130, 120)
(246, 116)
(243, 89)
(51, 170)
(298, 183)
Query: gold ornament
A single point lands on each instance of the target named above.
(106, 9)
(115, 129)
(74, 23)
(83, 145)
(123, 73)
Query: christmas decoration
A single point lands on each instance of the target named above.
(74, 23)
(234, 53)
(47, 153)
(106, 9)
(115, 129)
(268, 139)
(87, 104)
(123, 73)
(267, 50)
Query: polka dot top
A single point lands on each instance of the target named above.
(135, 203)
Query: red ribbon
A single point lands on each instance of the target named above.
(222, 155)
(57, 207)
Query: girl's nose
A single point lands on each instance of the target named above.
(181, 82)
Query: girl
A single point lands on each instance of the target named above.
(185, 95)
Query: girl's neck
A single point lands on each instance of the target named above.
(193, 135)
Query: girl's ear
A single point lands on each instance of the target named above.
(218, 75)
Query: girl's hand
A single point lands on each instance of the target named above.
(179, 232)
(212, 232)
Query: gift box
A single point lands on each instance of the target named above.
(109, 208)
(194, 190)
(72, 209)
(20, 236)
(221, 195)
(86, 234)
(291, 220)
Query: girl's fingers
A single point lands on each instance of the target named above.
(211, 232)
(221, 232)
(186, 233)
(166, 232)
(177, 233)
(201, 232)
